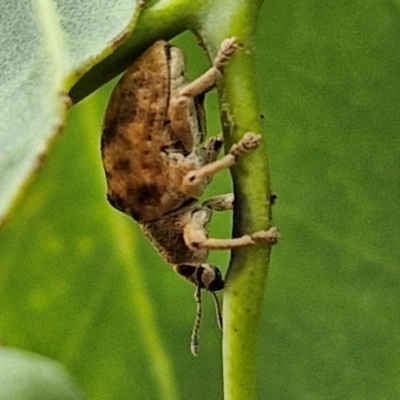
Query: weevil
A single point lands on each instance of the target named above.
(157, 163)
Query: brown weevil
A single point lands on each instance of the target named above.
(157, 165)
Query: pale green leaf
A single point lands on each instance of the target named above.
(45, 46)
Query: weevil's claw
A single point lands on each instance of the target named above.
(248, 142)
(271, 236)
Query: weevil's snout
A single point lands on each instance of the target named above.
(205, 276)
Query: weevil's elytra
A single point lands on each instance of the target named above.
(140, 104)
(157, 165)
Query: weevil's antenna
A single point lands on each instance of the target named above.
(218, 310)
(194, 342)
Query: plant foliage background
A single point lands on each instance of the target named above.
(79, 283)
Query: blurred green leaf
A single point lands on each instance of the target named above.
(28, 376)
(331, 93)
(79, 283)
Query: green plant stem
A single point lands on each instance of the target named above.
(246, 277)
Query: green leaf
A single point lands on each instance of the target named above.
(28, 376)
(45, 47)
(330, 91)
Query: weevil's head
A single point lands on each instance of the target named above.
(205, 276)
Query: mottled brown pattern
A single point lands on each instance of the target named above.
(123, 164)
(136, 135)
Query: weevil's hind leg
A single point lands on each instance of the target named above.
(194, 181)
(195, 339)
(222, 202)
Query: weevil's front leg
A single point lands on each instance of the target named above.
(194, 181)
(195, 235)
(222, 202)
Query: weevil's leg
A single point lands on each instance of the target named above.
(182, 107)
(209, 154)
(212, 147)
(206, 81)
(222, 202)
(191, 239)
(195, 339)
(195, 180)
(195, 235)
(195, 231)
